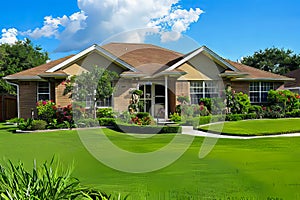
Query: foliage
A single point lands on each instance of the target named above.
(274, 60)
(273, 111)
(133, 128)
(294, 113)
(17, 57)
(175, 117)
(46, 110)
(285, 99)
(237, 103)
(87, 122)
(26, 125)
(105, 112)
(64, 114)
(141, 118)
(38, 125)
(107, 121)
(206, 102)
(134, 104)
(183, 99)
(44, 182)
(16, 120)
(238, 117)
(258, 110)
(96, 83)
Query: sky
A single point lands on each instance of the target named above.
(231, 28)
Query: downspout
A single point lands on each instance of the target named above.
(18, 96)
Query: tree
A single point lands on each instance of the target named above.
(279, 61)
(17, 57)
(96, 84)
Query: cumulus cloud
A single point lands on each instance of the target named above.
(9, 36)
(99, 20)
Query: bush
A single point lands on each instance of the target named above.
(141, 118)
(274, 111)
(38, 125)
(284, 98)
(87, 122)
(107, 121)
(16, 120)
(206, 102)
(46, 110)
(294, 113)
(105, 113)
(26, 125)
(258, 110)
(238, 117)
(175, 117)
(132, 128)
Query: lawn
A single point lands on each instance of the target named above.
(235, 169)
(256, 127)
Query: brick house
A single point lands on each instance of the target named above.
(161, 73)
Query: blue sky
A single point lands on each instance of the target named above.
(231, 28)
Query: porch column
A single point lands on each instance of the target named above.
(166, 97)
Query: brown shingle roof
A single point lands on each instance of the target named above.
(34, 72)
(294, 74)
(147, 58)
(254, 73)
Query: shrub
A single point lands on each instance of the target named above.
(16, 120)
(26, 125)
(284, 98)
(46, 110)
(38, 125)
(105, 112)
(133, 128)
(107, 121)
(217, 106)
(294, 113)
(183, 99)
(274, 111)
(175, 117)
(87, 122)
(206, 102)
(141, 118)
(258, 110)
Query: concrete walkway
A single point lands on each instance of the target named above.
(188, 130)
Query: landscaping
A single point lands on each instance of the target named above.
(235, 169)
(255, 127)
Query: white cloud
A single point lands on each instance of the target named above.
(9, 36)
(100, 19)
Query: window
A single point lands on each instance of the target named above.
(203, 89)
(105, 103)
(43, 91)
(259, 91)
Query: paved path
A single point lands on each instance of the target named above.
(188, 130)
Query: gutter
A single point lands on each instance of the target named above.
(18, 96)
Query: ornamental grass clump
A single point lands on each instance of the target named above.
(46, 182)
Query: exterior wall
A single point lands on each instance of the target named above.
(60, 99)
(182, 88)
(28, 98)
(121, 96)
(172, 95)
(240, 86)
(98, 60)
(74, 69)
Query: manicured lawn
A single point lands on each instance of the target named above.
(235, 169)
(256, 127)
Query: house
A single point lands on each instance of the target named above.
(161, 73)
(295, 85)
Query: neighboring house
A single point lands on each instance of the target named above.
(162, 74)
(295, 85)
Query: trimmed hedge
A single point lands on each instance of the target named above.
(131, 128)
(107, 121)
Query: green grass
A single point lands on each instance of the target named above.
(235, 169)
(256, 127)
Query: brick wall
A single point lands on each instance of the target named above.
(239, 86)
(182, 89)
(121, 96)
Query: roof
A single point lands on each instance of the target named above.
(252, 73)
(147, 61)
(37, 72)
(146, 58)
(293, 74)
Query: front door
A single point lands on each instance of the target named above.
(153, 99)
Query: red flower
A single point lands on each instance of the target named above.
(44, 102)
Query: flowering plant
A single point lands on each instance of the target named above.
(46, 110)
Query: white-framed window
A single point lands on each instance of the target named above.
(107, 102)
(43, 91)
(258, 91)
(203, 89)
